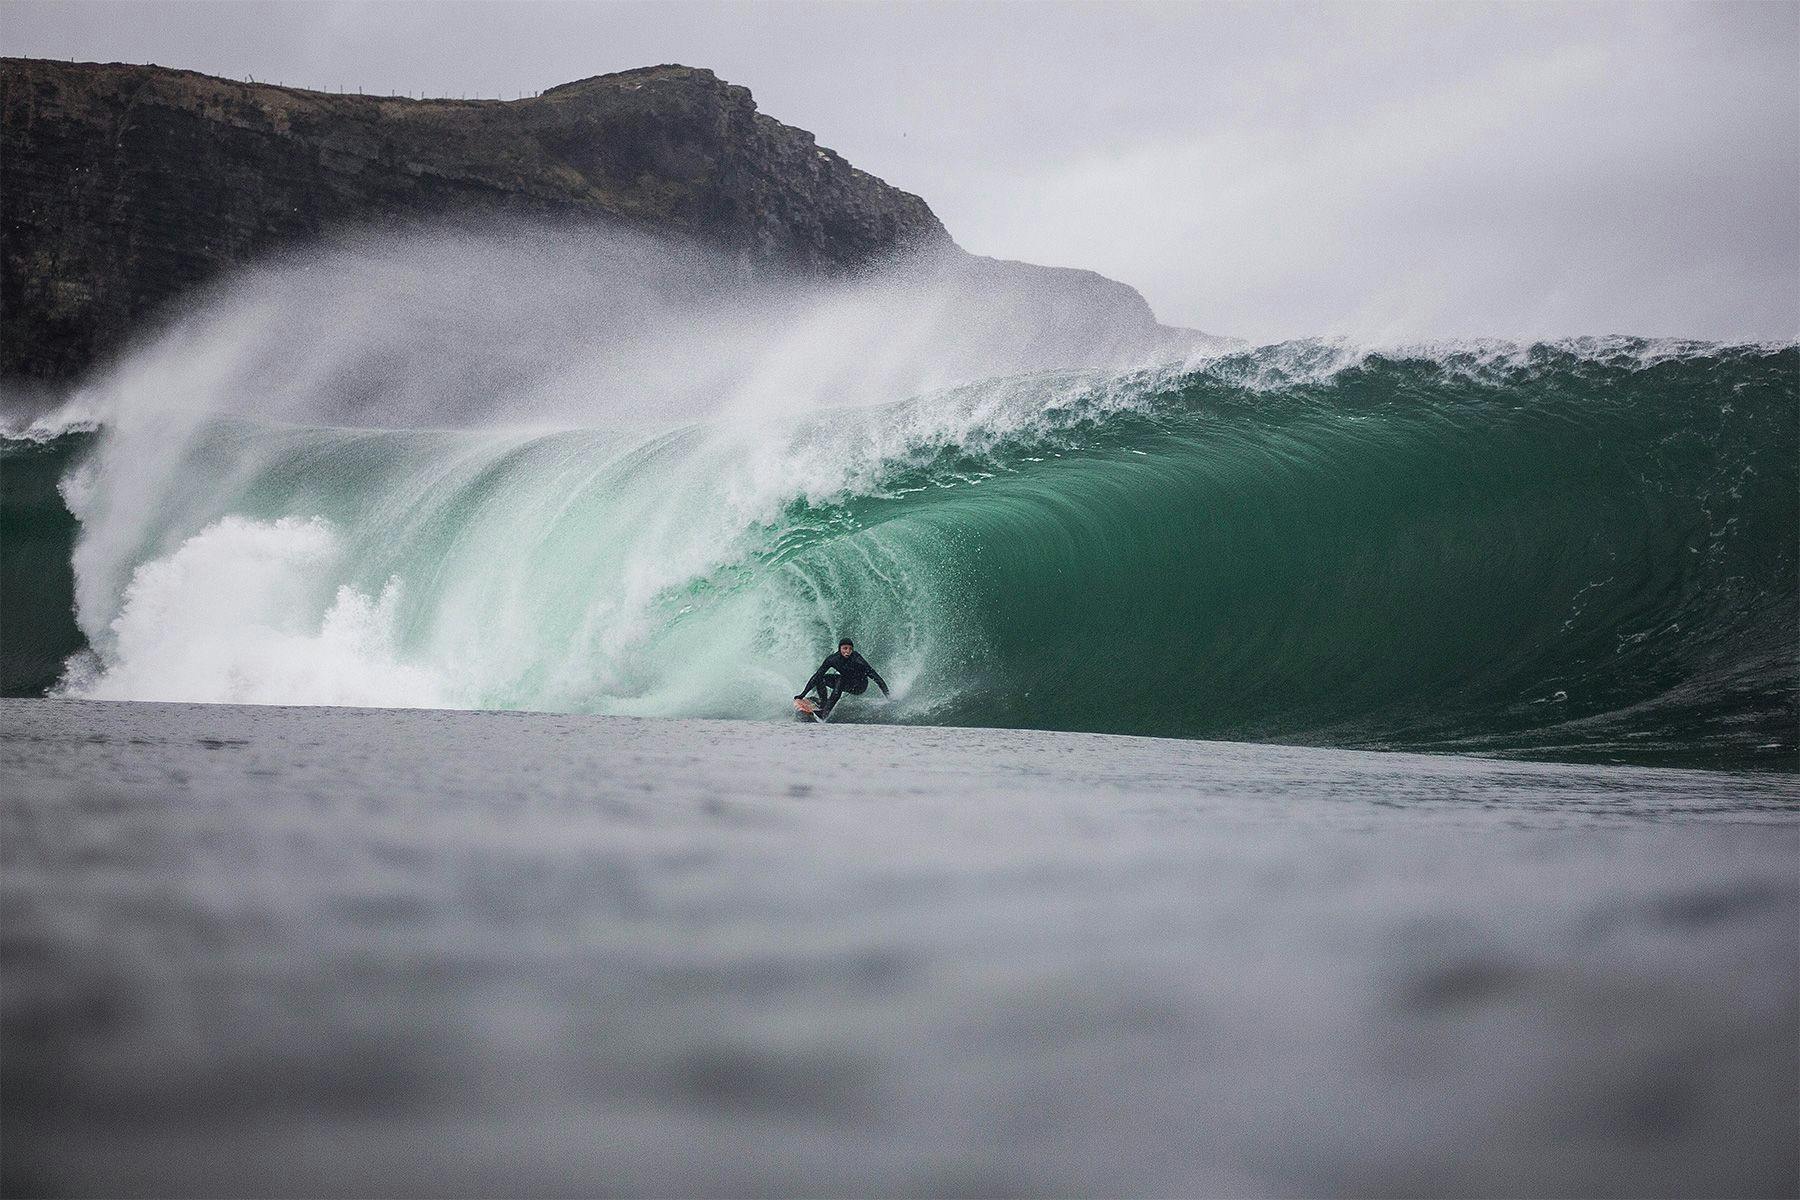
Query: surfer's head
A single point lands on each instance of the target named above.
(845, 647)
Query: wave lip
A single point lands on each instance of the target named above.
(38, 425)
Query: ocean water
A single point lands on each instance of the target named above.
(1581, 550)
(458, 838)
(335, 951)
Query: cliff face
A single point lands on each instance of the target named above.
(122, 187)
(126, 185)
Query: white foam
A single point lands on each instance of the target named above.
(246, 612)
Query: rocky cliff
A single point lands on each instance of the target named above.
(122, 187)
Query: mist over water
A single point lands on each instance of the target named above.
(502, 449)
(541, 468)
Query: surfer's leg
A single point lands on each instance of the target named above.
(839, 687)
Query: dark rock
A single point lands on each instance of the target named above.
(127, 185)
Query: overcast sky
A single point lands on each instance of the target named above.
(1387, 172)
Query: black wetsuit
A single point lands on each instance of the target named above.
(837, 675)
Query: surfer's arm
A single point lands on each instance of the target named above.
(876, 676)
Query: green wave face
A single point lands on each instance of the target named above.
(37, 601)
(1570, 556)
(1568, 550)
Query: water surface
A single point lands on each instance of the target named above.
(336, 951)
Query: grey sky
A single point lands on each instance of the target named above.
(1388, 172)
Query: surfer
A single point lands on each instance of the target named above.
(845, 671)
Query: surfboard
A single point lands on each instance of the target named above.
(808, 708)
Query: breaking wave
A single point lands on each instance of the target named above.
(1584, 548)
